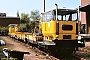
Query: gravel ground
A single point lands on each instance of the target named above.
(15, 45)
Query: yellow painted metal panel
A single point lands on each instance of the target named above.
(67, 23)
(52, 26)
(73, 36)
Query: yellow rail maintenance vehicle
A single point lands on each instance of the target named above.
(60, 30)
(57, 34)
(15, 34)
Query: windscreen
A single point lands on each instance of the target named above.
(66, 15)
(12, 26)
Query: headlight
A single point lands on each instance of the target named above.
(57, 36)
(80, 37)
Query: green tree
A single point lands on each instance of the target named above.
(25, 18)
(4, 30)
(18, 13)
(28, 22)
(22, 27)
(34, 16)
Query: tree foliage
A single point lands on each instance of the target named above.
(34, 15)
(18, 13)
(28, 22)
(22, 27)
(4, 30)
(24, 18)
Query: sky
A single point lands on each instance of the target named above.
(10, 7)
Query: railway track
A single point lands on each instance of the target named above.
(38, 52)
(82, 54)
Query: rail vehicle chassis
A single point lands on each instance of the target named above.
(58, 48)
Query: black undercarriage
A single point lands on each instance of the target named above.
(61, 49)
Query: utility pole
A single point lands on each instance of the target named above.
(44, 5)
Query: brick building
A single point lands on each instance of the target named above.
(85, 15)
(5, 21)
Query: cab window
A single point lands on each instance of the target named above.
(47, 16)
(44, 17)
(12, 26)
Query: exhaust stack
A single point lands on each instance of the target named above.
(57, 23)
(56, 11)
